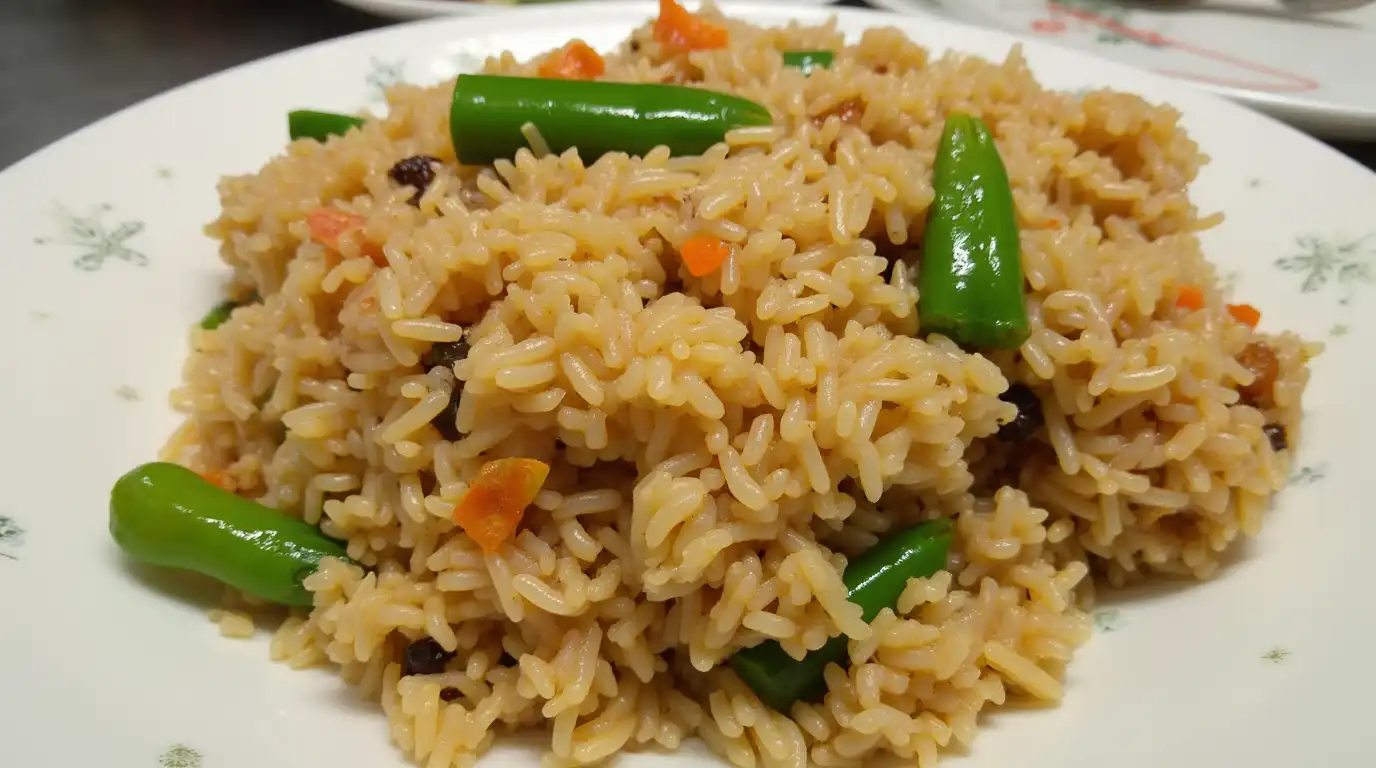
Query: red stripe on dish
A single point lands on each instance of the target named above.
(1294, 83)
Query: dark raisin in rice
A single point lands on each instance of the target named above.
(424, 657)
(446, 354)
(445, 421)
(450, 693)
(416, 172)
(1276, 434)
(1029, 418)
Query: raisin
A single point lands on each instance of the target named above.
(1260, 359)
(445, 353)
(445, 421)
(416, 172)
(848, 111)
(424, 657)
(1276, 434)
(450, 693)
(1029, 418)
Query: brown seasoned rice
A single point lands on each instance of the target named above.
(721, 445)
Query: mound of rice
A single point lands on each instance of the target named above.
(721, 445)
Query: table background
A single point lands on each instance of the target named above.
(66, 63)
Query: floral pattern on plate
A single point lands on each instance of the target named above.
(98, 241)
(11, 537)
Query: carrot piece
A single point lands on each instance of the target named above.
(327, 225)
(681, 31)
(704, 254)
(577, 61)
(1190, 298)
(492, 508)
(1245, 314)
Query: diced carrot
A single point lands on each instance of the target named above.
(492, 508)
(327, 225)
(577, 61)
(1245, 314)
(1190, 298)
(681, 31)
(704, 254)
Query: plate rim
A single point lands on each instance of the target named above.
(413, 10)
(1329, 118)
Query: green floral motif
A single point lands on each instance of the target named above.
(99, 243)
(126, 392)
(383, 75)
(1113, 18)
(1108, 620)
(180, 756)
(1276, 655)
(1344, 263)
(1339, 330)
(1308, 475)
(11, 534)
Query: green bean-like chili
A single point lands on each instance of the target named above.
(488, 113)
(164, 514)
(808, 60)
(874, 580)
(312, 124)
(970, 283)
(219, 313)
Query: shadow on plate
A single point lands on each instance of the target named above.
(1161, 587)
(186, 587)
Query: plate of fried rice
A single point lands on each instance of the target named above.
(638, 384)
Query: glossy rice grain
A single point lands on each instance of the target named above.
(720, 445)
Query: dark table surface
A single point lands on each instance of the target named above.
(66, 63)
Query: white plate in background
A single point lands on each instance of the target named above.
(1267, 666)
(424, 9)
(1315, 69)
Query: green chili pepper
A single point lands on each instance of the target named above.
(970, 283)
(164, 514)
(488, 113)
(807, 60)
(219, 313)
(310, 124)
(874, 580)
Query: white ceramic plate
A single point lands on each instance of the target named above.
(1268, 666)
(424, 9)
(1308, 62)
